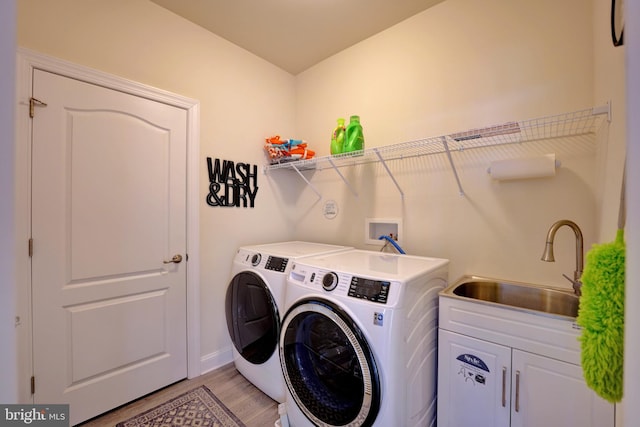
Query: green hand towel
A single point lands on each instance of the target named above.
(601, 316)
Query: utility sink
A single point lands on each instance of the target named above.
(525, 296)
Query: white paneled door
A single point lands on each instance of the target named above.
(109, 242)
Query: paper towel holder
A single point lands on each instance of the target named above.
(524, 168)
(558, 165)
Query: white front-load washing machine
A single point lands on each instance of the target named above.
(253, 307)
(358, 342)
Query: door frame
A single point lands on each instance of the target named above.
(27, 61)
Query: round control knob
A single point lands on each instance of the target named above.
(255, 259)
(329, 281)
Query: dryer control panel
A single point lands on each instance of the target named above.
(259, 261)
(275, 263)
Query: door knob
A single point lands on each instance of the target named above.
(177, 259)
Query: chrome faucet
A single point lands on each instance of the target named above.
(548, 251)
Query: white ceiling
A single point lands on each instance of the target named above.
(296, 34)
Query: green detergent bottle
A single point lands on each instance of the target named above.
(337, 138)
(354, 140)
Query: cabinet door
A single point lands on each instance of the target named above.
(548, 392)
(473, 382)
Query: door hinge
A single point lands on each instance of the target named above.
(30, 247)
(33, 384)
(32, 106)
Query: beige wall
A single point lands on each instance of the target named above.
(242, 100)
(609, 73)
(611, 81)
(459, 65)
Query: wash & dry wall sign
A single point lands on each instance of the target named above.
(232, 184)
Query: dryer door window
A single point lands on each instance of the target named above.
(328, 365)
(252, 317)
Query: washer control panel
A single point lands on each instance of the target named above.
(371, 290)
(342, 284)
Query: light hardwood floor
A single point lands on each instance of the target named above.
(253, 407)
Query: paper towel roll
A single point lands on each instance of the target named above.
(530, 167)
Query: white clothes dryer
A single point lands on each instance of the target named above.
(358, 343)
(253, 307)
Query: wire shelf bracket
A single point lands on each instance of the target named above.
(453, 166)
(353, 191)
(313, 187)
(384, 164)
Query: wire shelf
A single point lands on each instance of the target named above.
(575, 123)
(563, 125)
(421, 147)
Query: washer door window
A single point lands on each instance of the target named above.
(328, 365)
(252, 317)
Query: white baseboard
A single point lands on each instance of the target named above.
(214, 360)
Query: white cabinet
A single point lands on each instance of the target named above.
(499, 368)
(549, 392)
(473, 382)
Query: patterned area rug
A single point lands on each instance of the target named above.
(198, 408)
